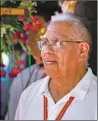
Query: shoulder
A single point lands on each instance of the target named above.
(33, 90)
(90, 87)
(17, 82)
(93, 96)
(94, 83)
(27, 69)
(25, 72)
(92, 91)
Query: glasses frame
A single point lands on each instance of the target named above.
(58, 43)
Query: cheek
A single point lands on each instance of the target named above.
(68, 58)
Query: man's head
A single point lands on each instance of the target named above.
(67, 6)
(33, 37)
(65, 46)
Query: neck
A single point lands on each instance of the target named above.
(59, 87)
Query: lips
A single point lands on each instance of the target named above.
(49, 62)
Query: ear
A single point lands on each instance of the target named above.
(84, 50)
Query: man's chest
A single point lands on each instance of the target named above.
(76, 111)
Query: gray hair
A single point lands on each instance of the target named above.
(82, 24)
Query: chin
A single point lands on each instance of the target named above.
(51, 71)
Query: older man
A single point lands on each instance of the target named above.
(24, 79)
(69, 92)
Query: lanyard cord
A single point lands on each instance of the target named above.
(59, 117)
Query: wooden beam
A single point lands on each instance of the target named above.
(12, 11)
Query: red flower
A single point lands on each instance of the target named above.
(20, 62)
(12, 75)
(35, 18)
(27, 27)
(22, 18)
(2, 73)
(14, 72)
(17, 35)
(35, 27)
(24, 38)
(2, 65)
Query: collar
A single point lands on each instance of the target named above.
(80, 90)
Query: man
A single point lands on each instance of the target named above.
(25, 78)
(69, 92)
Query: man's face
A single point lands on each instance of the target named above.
(68, 6)
(65, 58)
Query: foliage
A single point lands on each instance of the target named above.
(14, 29)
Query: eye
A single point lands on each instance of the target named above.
(57, 43)
(45, 43)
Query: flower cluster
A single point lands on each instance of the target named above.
(14, 72)
(34, 24)
(11, 35)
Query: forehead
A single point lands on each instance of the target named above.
(60, 29)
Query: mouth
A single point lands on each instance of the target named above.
(47, 63)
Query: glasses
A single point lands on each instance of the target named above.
(53, 45)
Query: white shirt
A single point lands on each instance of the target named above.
(17, 88)
(83, 107)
